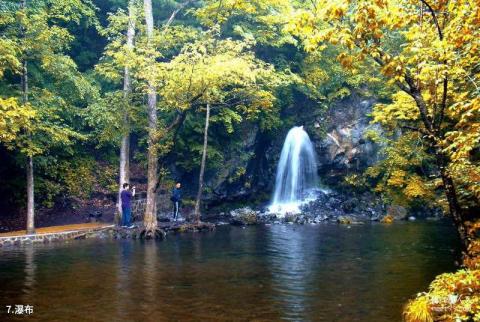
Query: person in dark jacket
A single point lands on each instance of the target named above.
(126, 199)
(176, 199)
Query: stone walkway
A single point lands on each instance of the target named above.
(53, 233)
(56, 229)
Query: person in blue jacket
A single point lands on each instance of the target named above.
(126, 201)
(176, 199)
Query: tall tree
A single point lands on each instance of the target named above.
(124, 176)
(202, 164)
(150, 217)
(29, 165)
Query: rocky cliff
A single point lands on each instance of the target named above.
(338, 136)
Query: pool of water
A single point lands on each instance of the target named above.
(265, 273)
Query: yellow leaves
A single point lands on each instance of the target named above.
(345, 60)
(418, 310)
(355, 180)
(394, 68)
(416, 188)
(403, 108)
(336, 10)
(218, 12)
(388, 219)
(451, 297)
(221, 72)
(14, 118)
(9, 56)
(397, 178)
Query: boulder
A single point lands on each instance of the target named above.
(344, 220)
(397, 212)
(244, 216)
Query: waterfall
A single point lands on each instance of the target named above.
(296, 172)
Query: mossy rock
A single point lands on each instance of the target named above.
(249, 218)
(244, 216)
(397, 212)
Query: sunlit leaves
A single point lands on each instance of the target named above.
(14, 117)
(430, 53)
(451, 297)
(221, 72)
(402, 109)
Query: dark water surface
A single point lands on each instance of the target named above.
(264, 273)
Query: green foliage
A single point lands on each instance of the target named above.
(36, 35)
(405, 175)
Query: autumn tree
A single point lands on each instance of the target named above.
(38, 113)
(428, 50)
(112, 112)
(222, 76)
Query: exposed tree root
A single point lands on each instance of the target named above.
(155, 233)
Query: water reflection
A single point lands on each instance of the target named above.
(307, 273)
(290, 268)
(30, 268)
(124, 277)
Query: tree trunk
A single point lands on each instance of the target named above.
(150, 218)
(29, 165)
(452, 199)
(30, 197)
(124, 176)
(202, 165)
(442, 160)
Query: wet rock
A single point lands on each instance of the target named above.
(127, 233)
(193, 227)
(349, 205)
(320, 218)
(344, 220)
(397, 212)
(268, 217)
(290, 218)
(244, 216)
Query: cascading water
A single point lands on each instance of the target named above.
(296, 173)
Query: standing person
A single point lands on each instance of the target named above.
(176, 199)
(126, 198)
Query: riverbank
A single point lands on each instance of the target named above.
(95, 230)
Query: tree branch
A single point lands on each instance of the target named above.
(435, 20)
(416, 129)
(179, 118)
(411, 90)
(174, 13)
